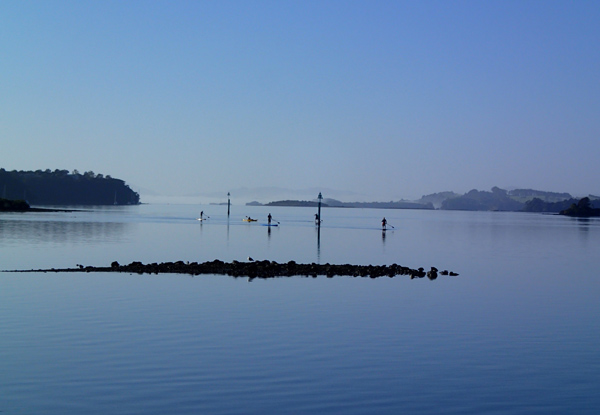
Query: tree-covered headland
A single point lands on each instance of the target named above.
(518, 200)
(61, 187)
(581, 209)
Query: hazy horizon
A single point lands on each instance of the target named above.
(381, 100)
(242, 196)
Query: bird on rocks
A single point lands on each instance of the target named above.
(250, 259)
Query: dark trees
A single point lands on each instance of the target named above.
(582, 209)
(59, 187)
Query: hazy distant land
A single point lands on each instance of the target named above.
(20, 189)
(518, 200)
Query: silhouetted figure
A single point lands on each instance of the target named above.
(201, 214)
(384, 224)
(317, 219)
(269, 218)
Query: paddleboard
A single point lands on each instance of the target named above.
(273, 224)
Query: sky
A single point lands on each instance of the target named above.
(361, 100)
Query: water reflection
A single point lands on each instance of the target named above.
(18, 231)
(228, 229)
(318, 244)
(584, 226)
(584, 223)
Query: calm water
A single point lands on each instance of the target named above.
(517, 332)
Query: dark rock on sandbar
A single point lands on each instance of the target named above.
(256, 269)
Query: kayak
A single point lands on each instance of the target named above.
(249, 220)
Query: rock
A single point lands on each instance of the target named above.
(432, 274)
(260, 269)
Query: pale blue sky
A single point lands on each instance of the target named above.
(380, 100)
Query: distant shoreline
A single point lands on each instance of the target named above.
(53, 210)
(21, 206)
(519, 200)
(39, 210)
(349, 205)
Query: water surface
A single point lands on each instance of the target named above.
(516, 332)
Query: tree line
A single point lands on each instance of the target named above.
(520, 200)
(61, 187)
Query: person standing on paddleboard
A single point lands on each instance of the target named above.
(383, 224)
(269, 218)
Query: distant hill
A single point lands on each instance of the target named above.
(339, 204)
(527, 200)
(436, 199)
(401, 204)
(517, 200)
(59, 187)
(297, 203)
(497, 199)
(538, 205)
(582, 209)
(524, 195)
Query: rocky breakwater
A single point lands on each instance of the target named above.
(260, 269)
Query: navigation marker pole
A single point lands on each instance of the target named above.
(320, 197)
(228, 204)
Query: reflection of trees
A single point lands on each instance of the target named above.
(60, 231)
(584, 226)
